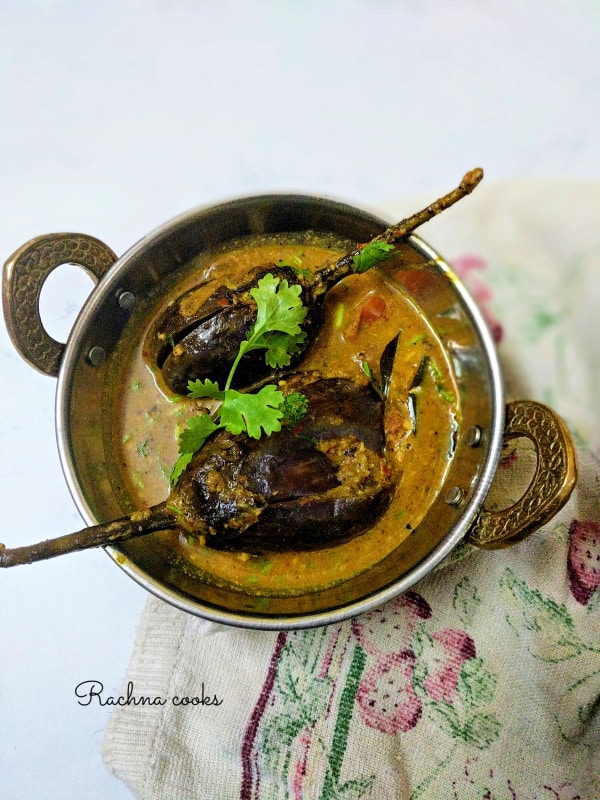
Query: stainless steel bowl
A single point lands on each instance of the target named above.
(85, 367)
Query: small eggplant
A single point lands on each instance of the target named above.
(320, 484)
(201, 339)
(205, 342)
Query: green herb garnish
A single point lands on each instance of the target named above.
(142, 449)
(417, 339)
(295, 263)
(366, 368)
(277, 330)
(371, 255)
(375, 384)
(295, 406)
(436, 373)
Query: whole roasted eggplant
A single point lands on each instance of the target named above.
(190, 341)
(320, 484)
(201, 339)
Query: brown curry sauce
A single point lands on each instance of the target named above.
(362, 314)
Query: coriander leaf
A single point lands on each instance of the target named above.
(371, 255)
(197, 432)
(277, 330)
(252, 413)
(279, 311)
(179, 466)
(279, 308)
(281, 347)
(207, 388)
(295, 406)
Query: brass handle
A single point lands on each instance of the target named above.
(551, 486)
(25, 273)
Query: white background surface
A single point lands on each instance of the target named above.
(117, 116)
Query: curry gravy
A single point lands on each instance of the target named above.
(362, 314)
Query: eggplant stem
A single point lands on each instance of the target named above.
(397, 232)
(160, 517)
(330, 275)
(157, 518)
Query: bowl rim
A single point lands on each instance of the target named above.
(309, 619)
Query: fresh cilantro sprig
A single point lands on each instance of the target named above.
(279, 315)
(371, 255)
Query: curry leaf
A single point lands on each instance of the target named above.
(371, 255)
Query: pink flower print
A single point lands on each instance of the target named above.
(468, 268)
(299, 770)
(389, 629)
(583, 559)
(386, 698)
(451, 649)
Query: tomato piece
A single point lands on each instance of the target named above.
(372, 309)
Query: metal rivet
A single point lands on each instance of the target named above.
(96, 356)
(455, 496)
(474, 435)
(126, 300)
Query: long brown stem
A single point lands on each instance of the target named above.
(157, 518)
(397, 232)
(333, 273)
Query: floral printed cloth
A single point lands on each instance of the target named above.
(481, 682)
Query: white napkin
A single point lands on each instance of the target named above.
(482, 682)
